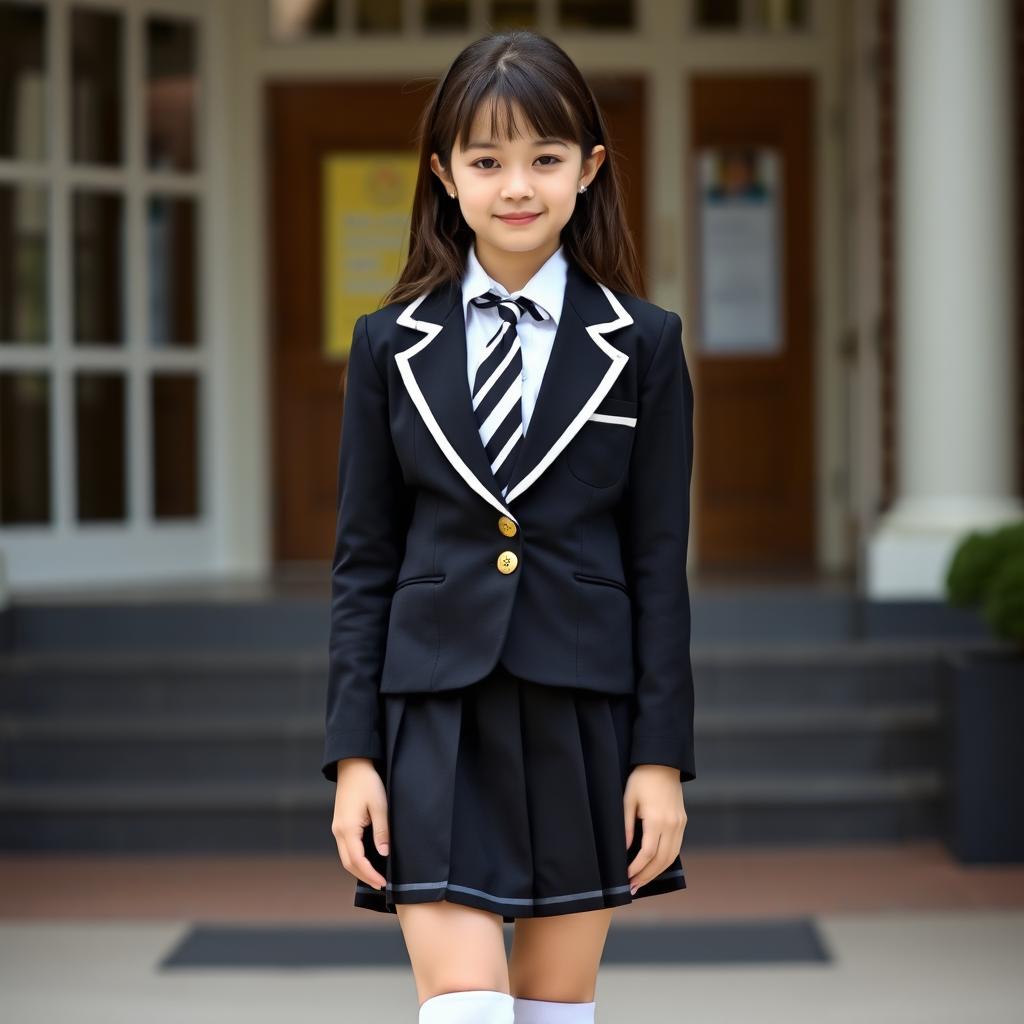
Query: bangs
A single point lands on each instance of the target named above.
(509, 90)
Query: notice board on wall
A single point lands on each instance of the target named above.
(367, 202)
(740, 249)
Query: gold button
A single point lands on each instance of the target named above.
(507, 562)
(507, 526)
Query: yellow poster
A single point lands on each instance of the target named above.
(367, 204)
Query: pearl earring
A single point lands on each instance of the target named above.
(452, 194)
(583, 188)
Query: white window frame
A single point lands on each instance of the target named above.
(139, 547)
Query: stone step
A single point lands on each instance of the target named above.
(296, 680)
(210, 816)
(160, 747)
(276, 620)
(217, 748)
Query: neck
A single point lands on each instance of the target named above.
(512, 270)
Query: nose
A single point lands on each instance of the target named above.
(515, 186)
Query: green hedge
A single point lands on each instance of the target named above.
(987, 572)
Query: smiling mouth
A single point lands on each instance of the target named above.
(518, 216)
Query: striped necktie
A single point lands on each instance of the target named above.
(498, 385)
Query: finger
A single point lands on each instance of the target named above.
(650, 868)
(379, 821)
(629, 813)
(676, 842)
(359, 863)
(648, 848)
(673, 841)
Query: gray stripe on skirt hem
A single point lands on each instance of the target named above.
(527, 901)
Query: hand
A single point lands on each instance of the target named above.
(655, 795)
(359, 800)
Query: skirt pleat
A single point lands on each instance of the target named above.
(506, 795)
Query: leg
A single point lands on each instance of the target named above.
(556, 958)
(453, 948)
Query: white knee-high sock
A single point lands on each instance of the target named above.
(471, 1006)
(543, 1011)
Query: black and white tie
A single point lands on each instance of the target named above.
(498, 385)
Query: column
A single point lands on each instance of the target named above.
(956, 367)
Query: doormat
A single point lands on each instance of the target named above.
(773, 941)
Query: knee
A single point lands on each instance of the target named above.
(557, 990)
(552, 978)
(446, 984)
(558, 981)
(454, 949)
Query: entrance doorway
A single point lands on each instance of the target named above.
(754, 426)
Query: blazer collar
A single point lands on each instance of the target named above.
(581, 369)
(546, 287)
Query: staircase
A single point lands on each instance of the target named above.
(196, 726)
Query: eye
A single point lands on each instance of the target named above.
(545, 156)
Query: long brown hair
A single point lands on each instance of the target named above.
(529, 70)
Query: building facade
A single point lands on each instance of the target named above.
(823, 190)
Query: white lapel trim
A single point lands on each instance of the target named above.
(605, 417)
(430, 331)
(618, 362)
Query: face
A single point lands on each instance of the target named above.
(493, 178)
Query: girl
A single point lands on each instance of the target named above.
(510, 701)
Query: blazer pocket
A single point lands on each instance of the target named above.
(599, 453)
(615, 410)
(436, 578)
(601, 581)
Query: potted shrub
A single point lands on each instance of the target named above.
(985, 700)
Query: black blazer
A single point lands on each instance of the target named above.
(576, 578)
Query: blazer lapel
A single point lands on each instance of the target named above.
(581, 369)
(435, 374)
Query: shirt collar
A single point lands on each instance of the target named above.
(546, 287)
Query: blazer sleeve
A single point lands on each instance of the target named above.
(369, 546)
(658, 526)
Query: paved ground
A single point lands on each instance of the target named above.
(889, 934)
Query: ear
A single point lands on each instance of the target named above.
(591, 165)
(435, 166)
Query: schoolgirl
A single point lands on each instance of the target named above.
(510, 699)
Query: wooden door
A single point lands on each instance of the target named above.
(754, 430)
(308, 123)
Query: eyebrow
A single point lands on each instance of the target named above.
(494, 145)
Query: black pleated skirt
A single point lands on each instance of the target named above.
(506, 795)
